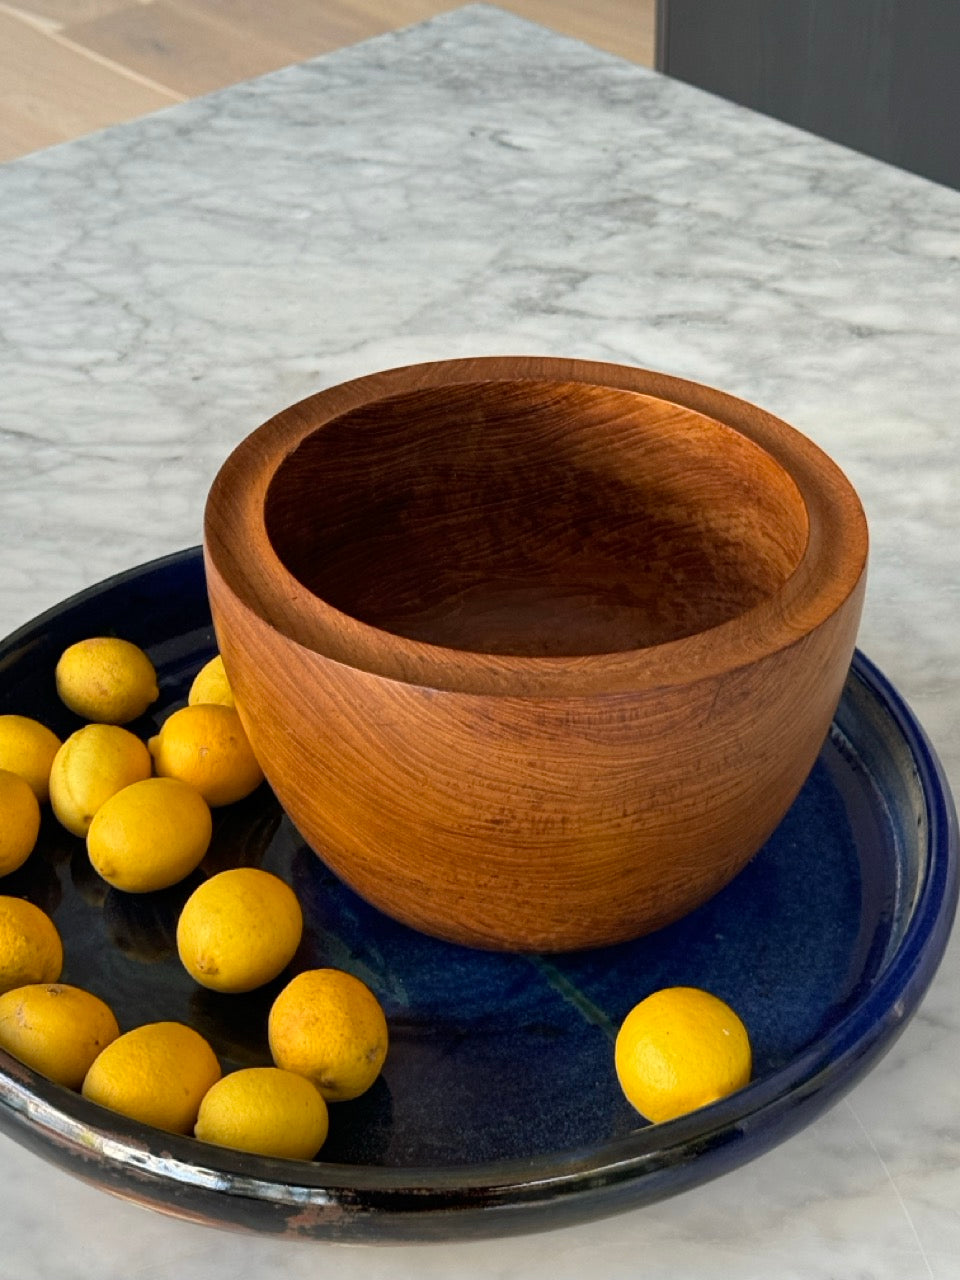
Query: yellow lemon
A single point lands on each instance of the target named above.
(239, 929)
(206, 746)
(92, 765)
(56, 1029)
(30, 946)
(157, 1074)
(211, 685)
(681, 1049)
(267, 1111)
(328, 1026)
(108, 680)
(150, 835)
(19, 821)
(27, 747)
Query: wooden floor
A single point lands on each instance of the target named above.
(68, 67)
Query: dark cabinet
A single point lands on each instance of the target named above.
(881, 76)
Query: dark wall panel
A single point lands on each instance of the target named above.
(882, 76)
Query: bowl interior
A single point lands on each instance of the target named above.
(535, 518)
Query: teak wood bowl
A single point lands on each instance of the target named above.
(535, 653)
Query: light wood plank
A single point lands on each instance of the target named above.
(50, 92)
(624, 27)
(69, 66)
(60, 12)
(310, 27)
(20, 132)
(179, 47)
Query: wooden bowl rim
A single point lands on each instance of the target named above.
(828, 572)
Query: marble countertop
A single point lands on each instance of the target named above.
(479, 185)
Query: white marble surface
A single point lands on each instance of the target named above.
(479, 185)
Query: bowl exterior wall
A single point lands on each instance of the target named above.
(533, 823)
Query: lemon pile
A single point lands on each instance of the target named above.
(143, 809)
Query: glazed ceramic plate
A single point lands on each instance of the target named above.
(498, 1109)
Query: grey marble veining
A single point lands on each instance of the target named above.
(479, 185)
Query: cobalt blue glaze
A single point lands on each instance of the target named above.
(498, 1109)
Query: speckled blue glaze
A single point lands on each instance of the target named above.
(498, 1108)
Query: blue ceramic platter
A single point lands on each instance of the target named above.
(498, 1109)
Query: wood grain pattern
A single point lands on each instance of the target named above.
(311, 28)
(553, 520)
(180, 48)
(20, 130)
(56, 13)
(535, 653)
(50, 92)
